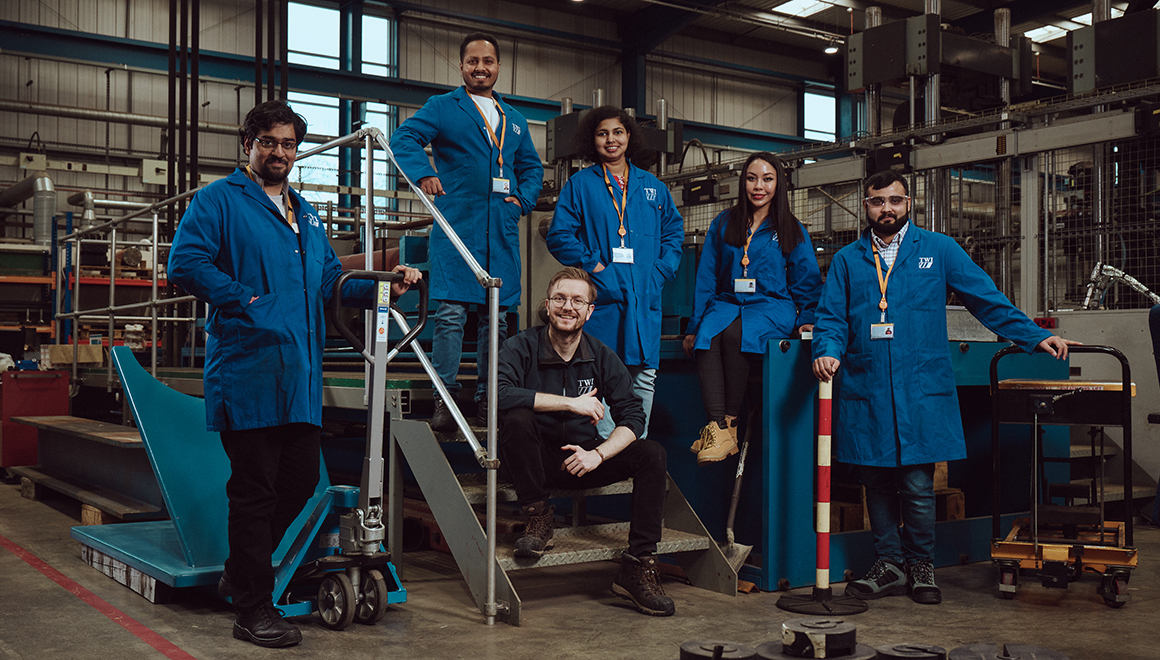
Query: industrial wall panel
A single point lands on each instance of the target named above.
(811, 67)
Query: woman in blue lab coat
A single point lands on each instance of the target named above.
(619, 223)
(757, 280)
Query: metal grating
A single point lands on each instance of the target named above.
(475, 489)
(575, 545)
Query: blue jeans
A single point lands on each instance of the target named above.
(447, 344)
(644, 385)
(908, 490)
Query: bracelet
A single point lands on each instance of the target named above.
(597, 450)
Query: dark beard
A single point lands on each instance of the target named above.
(889, 229)
(270, 176)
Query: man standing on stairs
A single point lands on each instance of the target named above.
(487, 174)
(551, 382)
(253, 249)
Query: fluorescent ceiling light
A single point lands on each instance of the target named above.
(801, 8)
(1051, 32)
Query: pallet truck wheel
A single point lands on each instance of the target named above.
(848, 574)
(372, 602)
(336, 603)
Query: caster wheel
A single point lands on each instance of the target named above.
(372, 601)
(848, 575)
(336, 601)
(783, 584)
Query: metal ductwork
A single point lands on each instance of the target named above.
(39, 187)
(85, 199)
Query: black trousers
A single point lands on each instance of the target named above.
(274, 471)
(533, 464)
(724, 372)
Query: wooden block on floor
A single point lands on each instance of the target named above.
(30, 490)
(154, 591)
(91, 515)
(949, 504)
(940, 476)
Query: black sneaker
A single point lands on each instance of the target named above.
(264, 626)
(442, 420)
(640, 582)
(922, 587)
(539, 531)
(885, 578)
(481, 414)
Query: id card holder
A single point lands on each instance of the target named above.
(621, 255)
(744, 285)
(502, 186)
(881, 331)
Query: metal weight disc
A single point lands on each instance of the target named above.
(1004, 652)
(704, 649)
(773, 651)
(818, 637)
(911, 652)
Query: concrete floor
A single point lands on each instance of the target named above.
(568, 612)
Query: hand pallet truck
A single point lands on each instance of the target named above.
(1059, 542)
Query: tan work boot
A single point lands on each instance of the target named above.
(719, 440)
(699, 442)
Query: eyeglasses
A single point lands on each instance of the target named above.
(879, 202)
(574, 303)
(266, 144)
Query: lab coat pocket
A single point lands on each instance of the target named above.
(857, 376)
(655, 288)
(263, 323)
(609, 287)
(934, 373)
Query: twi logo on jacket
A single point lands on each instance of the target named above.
(585, 385)
(312, 219)
(650, 194)
(516, 128)
(925, 262)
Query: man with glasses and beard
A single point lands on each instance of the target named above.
(254, 250)
(882, 319)
(551, 382)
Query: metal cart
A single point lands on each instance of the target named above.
(1061, 539)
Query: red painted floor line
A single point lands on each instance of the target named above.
(167, 648)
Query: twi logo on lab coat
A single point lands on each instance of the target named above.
(516, 128)
(650, 194)
(312, 219)
(925, 262)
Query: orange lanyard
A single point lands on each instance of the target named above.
(745, 256)
(623, 206)
(502, 131)
(882, 280)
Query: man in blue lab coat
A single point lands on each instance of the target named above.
(487, 174)
(882, 318)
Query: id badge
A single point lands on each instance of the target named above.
(881, 331)
(621, 255)
(744, 285)
(502, 186)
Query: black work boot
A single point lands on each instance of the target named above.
(885, 578)
(442, 420)
(640, 582)
(539, 531)
(921, 582)
(264, 626)
(481, 414)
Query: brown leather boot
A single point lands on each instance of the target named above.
(719, 440)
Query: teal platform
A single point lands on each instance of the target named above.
(192, 469)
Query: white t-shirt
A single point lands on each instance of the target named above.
(280, 204)
(487, 105)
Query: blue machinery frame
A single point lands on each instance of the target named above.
(776, 514)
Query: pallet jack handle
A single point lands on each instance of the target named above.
(378, 276)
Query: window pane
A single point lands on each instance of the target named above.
(313, 30)
(376, 46)
(820, 112)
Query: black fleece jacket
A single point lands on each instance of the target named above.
(528, 364)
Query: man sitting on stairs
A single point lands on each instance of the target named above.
(551, 382)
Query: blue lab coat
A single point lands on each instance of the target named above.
(263, 364)
(787, 288)
(467, 160)
(897, 403)
(584, 231)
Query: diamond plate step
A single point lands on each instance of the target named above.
(576, 545)
(475, 489)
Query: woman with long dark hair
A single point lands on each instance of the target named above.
(618, 222)
(757, 280)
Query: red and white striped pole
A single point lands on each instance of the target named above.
(825, 391)
(822, 600)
